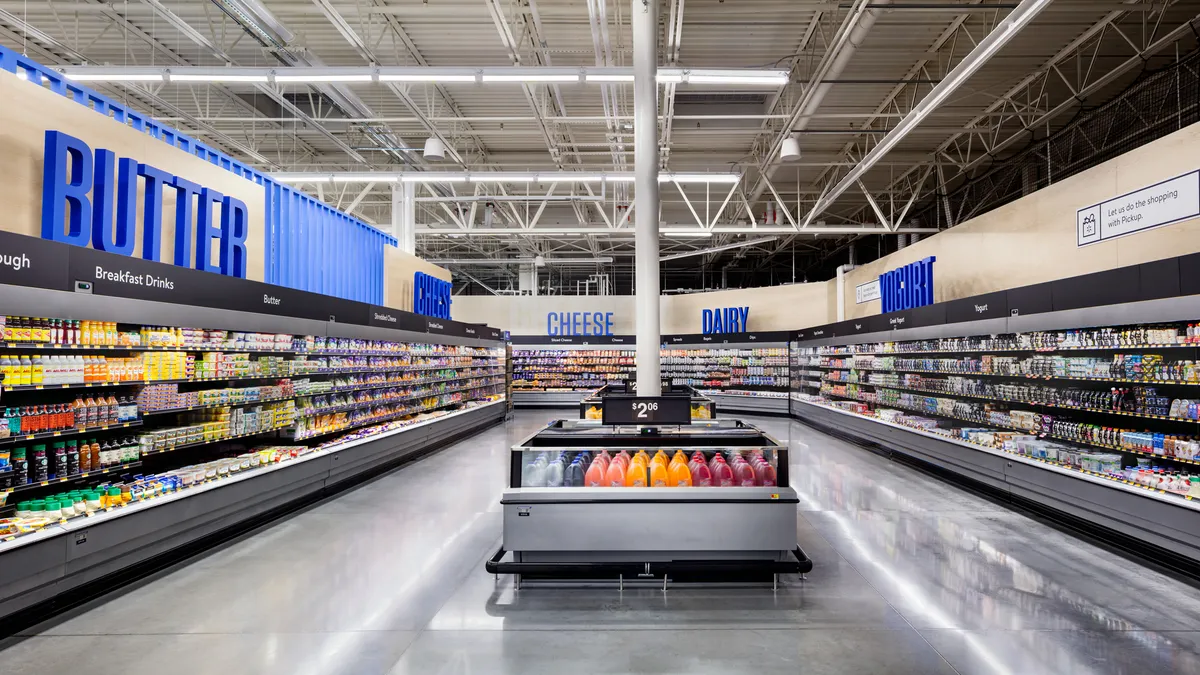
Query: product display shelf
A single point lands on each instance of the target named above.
(412, 410)
(336, 390)
(570, 483)
(68, 433)
(1039, 404)
(215, 439)
(728, 368)
(66, 554)
(118, 468)
(1115, 403)
(360, 404)
(1018, 376)
(1108, 480)
(569, 368)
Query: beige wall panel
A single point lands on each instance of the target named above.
(776, 308)
(1033, 240)
(771, 308)
(399, 268)
(22, 145)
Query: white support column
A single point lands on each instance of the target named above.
(645, 158)
(404, 216)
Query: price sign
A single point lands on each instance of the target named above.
(646, 410)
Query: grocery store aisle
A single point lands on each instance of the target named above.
(911, 576)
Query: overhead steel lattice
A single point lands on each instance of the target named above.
(1153, 107)
(855, 70)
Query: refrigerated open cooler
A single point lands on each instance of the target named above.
(575, 525)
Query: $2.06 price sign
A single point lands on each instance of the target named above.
(629, 410)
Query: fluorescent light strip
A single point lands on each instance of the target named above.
(304, 79)
(425, 77)
(188, 77)
(684, 234)
(609, 78)
(751, 80)
(101, 77)
(531, 78)
(434, 178)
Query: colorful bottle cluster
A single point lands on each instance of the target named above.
(640, 469)
(84, 412)
(63, 459)
(72, 332)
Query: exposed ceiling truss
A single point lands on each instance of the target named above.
(858, 67)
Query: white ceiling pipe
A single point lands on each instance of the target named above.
(500, 75)
(972, 62)
(626, 232)
(497, 177)
(803, 113)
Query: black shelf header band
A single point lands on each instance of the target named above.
(1168, 278)
(39, 263)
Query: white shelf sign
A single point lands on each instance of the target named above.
(866, 292)
(1160, 204)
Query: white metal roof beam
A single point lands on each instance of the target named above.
(981, 54)
(1039, 119)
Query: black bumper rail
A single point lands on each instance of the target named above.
(678, 570)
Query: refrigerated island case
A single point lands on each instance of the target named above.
(581, 526)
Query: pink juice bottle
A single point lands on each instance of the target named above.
(701, 476)
(616, 474)
(595, 475)
(743, 473)
(765, 474)
(722, 474)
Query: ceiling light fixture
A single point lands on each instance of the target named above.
(790, 150)
(435, 149)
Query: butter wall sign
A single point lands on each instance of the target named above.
(82, 191)
(725, 320)
(431, 296)
(908, 287)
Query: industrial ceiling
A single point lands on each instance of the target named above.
(854, 69)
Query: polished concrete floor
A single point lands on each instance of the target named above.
(911, 576)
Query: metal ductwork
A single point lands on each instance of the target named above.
(803, 113)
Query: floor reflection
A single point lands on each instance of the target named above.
(1000, 592)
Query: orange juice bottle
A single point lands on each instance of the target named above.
(681, 475)
(659, 476)
(635, 476)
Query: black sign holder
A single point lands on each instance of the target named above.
(623, 410)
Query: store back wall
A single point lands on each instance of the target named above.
(774, 308)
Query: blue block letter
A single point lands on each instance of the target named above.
(152, 203)
(59, 191)
(235, 227)
(206, 232)
(118, 237)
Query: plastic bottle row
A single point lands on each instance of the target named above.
(582, 469)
